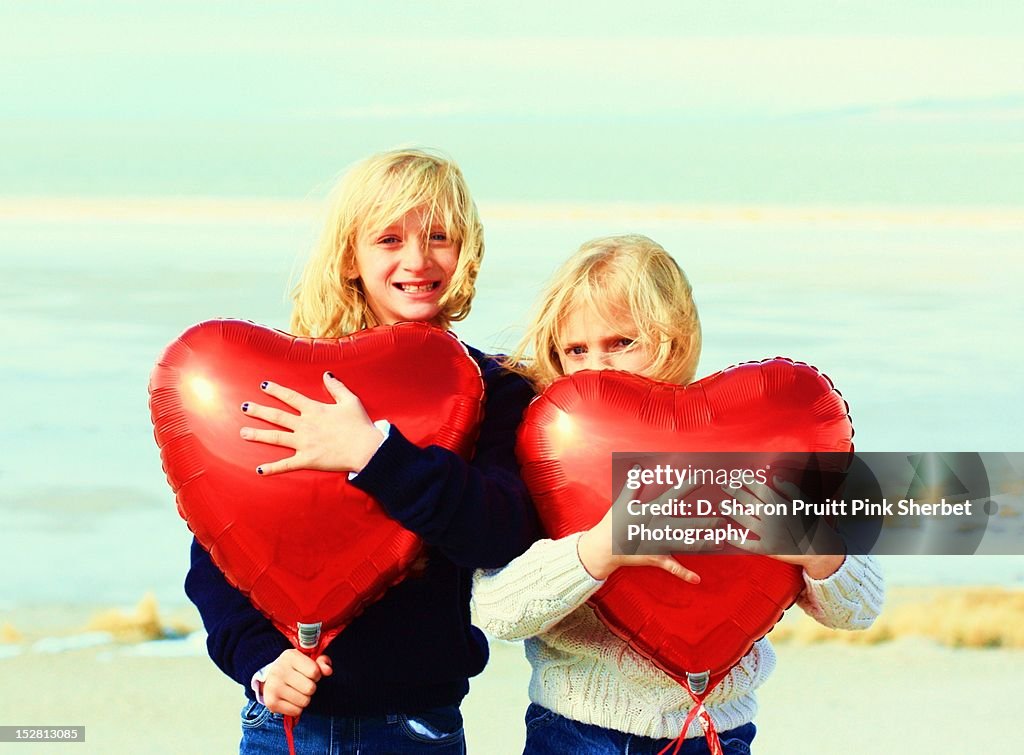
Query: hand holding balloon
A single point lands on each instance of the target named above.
(820, 544)
(291, 681)
(595, 545)
(332, 437)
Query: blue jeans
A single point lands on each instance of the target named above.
(437, 731)
(548, 732)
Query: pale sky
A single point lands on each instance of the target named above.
(792, 100)
(353, 60)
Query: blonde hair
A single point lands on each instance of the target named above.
(329, 299)
(610, 275)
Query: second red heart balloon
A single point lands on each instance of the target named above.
(565, 446)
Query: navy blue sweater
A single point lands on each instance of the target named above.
(415, 648)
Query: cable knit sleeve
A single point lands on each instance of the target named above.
(533, 592)
(851, 598)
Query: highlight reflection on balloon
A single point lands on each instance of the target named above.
(202, 391)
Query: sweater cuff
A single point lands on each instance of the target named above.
(568, 575)
(386, 476)
(385, 429)
(260, 653)
(857, 582)
(838, 586)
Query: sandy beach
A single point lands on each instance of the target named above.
(825, 696)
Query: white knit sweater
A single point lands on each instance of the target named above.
(584, 672)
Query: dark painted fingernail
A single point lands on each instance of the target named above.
(331, 375)
(259, 470)
(245, 406)
(264, 385)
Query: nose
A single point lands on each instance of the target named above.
(416, 254)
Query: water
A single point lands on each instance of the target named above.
(914, 321)
(842, 187)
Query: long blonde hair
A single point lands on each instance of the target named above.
(610, 275)
(329, 299)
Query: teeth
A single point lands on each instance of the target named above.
(416, 288)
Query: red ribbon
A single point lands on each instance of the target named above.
(289, 725)
(290, 722)
(710, 732)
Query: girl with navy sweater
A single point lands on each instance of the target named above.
(403, 243)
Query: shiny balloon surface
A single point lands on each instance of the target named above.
(305, 546)
(565, 446)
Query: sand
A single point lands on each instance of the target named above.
(941, 672)
(828, 697)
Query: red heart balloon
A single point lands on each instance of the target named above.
(304, 546)
(565, 446)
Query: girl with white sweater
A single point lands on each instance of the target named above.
(623, 303)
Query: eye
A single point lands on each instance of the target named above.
(440, 236)
(389, 238)
(623, 343)
(575, 351)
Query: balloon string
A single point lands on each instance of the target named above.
(290, 722)
(710, 732)
(289, 725)
(678, 741)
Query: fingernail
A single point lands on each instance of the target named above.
(245, 406)
(331, 376)
(245, 432)
(264, 385)
(259, 470)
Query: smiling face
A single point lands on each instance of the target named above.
(405, 268)
(588, 341)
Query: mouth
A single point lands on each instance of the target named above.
(418, 288)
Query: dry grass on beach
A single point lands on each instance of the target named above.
(144, 623)
(975, 617)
